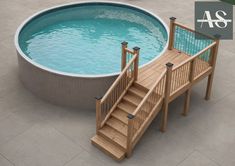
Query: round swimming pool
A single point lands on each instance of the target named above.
(69, 54)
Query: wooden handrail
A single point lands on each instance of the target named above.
(119, 77)
(195, 56)
(129, 72)
(137, 123)
(148, 94)
(105, 105)
(184, 27)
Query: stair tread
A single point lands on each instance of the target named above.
(117, 125)
(133, 99)
(121, 115)
(114, 136)
(140, 87)
(127, 107)
(137, 91)
(108, 147)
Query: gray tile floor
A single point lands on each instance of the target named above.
(36, 133)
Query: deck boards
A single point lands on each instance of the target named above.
(149, 74)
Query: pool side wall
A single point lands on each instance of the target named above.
(77, 92)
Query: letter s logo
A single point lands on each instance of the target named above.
(221, 19)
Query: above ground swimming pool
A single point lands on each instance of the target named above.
(69, 54)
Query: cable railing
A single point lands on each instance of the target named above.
(199, 46)
(187, 42)
(106, 104)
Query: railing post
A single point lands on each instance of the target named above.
(124, 46)
(98, 113)
(136, 64)
(172, 33)
(192, 70)
(188, 92)
(129, 135)
(167, 96)
(211, 76)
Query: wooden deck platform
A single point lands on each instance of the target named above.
(151, 72)
(137, 96)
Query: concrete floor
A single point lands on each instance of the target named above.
(37, 133)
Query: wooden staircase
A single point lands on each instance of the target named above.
(112, 137)
(128, 108)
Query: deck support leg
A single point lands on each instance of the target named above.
(214, 53)
(189, 91)
(187, 102)
(164, 117)
(167, 96)
(209, 86)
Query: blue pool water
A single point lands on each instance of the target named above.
(87, 39)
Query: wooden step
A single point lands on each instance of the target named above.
(117, 125)
(132, 99)
(140, 87)
(137, 91)
(127, 107)
(114, 136)
(107, 147)
(120, 115)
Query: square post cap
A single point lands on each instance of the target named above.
(124, 43)
(98, 97)
(172, 18)
(136, 48)
(169, 64)
(130, 116)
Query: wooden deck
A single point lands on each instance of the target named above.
(149, 74)
(138, 95)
